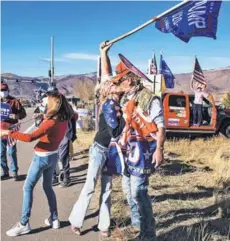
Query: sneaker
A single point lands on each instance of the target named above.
(5, 176)
(15, 176)
(65, 183)
(18, 229)
(54, 224)
(76, 230)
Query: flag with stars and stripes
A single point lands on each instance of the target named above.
(198, 80)
(152, 65)
(11, 141)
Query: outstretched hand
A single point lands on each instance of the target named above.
(105, 46)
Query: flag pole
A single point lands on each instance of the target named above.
(192, 73)
(154, 77)
(149, 22)
(149, 64)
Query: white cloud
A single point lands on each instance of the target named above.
(55, 60)
(81, 56)
(84, 56)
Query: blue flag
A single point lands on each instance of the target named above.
(167, 73)
(196, 18)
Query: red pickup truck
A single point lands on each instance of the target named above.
(179, 115)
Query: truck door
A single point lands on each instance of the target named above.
(176, 111)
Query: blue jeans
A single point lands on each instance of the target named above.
(12, 153)
(40, 166)
(98, 156)
(136, 191)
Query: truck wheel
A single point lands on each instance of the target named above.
(225, 130)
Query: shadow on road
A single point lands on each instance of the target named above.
(79, 169)
(38, 230)
(94, 229)
(75, 180)
(63, 224)
(92, 215)
(81, 157)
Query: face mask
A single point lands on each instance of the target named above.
(43, 107)
(4, 94)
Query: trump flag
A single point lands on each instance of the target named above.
(194, 19)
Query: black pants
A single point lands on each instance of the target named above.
(197, 112)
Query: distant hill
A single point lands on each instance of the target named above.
(82, 85)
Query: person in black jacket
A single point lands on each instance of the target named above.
(111, 124)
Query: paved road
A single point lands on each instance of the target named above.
(11, 201)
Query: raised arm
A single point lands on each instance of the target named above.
(106, 69)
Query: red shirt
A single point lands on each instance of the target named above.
(50, 134)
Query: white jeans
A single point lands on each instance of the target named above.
(98, 156)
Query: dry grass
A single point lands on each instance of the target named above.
(190, 192)
(84, 139)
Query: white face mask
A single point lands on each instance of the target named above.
(43, 106)
(4, 94)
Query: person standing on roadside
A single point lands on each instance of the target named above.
(50, 134)
(17, 113)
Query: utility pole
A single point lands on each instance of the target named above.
(52, 85)
(52, 60)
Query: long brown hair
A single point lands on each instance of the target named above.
(58, 107)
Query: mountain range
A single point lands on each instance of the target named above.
(82, 85)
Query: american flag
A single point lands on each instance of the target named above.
(11, 141)
(153, 65)
(198, 79)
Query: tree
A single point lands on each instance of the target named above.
(226, 100)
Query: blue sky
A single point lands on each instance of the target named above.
(79, 27)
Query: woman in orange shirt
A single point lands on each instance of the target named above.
(50, 134)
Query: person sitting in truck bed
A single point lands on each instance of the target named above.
(197, 106)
